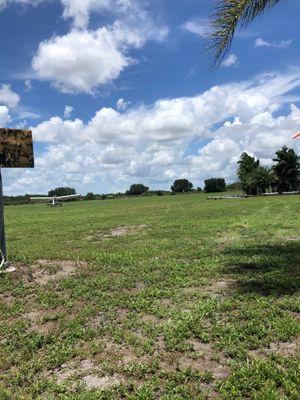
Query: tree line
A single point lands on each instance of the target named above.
(282, 176)
(180, 186)
(254, 179)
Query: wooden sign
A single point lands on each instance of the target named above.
(16, 149)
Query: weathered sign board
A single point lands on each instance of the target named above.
(16, 151)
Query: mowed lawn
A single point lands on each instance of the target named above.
(172, 297)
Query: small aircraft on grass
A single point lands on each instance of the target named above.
(56, 201)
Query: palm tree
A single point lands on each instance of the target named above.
(231, 14)
(287, 169)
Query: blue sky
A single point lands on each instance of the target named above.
(119, 91)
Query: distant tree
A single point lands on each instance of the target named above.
(287, 170)
(62, 191)
(90, 196)
(182, 185)
(247, 166)
(260, 179)
(215, 185)
(159, 193)
(137, 189)
(234, 186)
(199, 189)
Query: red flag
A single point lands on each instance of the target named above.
(297, 135)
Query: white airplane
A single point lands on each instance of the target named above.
(56, 200)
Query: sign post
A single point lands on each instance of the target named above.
(16, 151)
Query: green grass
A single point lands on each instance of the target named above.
(198, 300)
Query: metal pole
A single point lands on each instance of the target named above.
(2, 231)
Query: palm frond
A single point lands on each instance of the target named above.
(230, 14)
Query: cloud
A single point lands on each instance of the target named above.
(122, 104)
(198, 26)
(24, 113)
(4, 116)
(169, 120)
(10, 102)
(8, 97)
(5, 3)
(28, 85)
(283, 44)
(50, 131)
(68, 111)
(81, 61)
(230, 61)
(80, 10)
(152, 143)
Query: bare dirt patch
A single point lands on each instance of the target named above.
(284, 349)
(117, 232)
(295, 314)
(217, 288)
(71, 369)
(47, 270)
(107, 382)
(120, 355)
(86, 371)
(205, 349)
(220, 287)
(122, 313)
(102, 319)
(63, 373)
(7, 299)
(98, 321)
(203, 359)
(217, 369)
(166, 303)
(44, 271)
(150, 319)
(40, 321)
(139, 286)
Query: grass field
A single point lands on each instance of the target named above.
(172, 297)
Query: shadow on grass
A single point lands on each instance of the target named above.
(271, 269)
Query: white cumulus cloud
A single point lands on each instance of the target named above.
(152, 144)
(283, 44)
(4, 116)
(198, 26)
(122, 104)
(80, 10)
(83, 60)
(68, 111)
(8, 97)
(230, 61)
